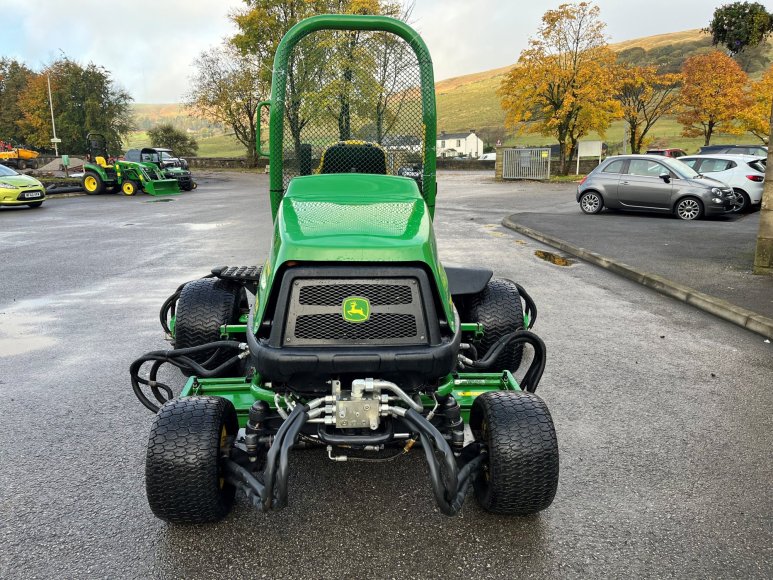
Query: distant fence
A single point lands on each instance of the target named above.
(525, 163)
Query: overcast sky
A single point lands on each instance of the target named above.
(150, 45)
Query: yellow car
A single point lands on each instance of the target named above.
(18, 189)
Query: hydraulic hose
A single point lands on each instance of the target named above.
(533, 375)
(531, 306)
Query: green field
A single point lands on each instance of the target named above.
(471, 102)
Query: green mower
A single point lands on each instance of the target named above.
(125, 177)
(352, 337)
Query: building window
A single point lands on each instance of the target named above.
(458, 142)
(443, 144)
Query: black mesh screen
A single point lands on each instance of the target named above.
(352, 104)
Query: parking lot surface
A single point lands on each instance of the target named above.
(663, 413)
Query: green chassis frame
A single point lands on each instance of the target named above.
(244, 391)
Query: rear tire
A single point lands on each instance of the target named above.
(203, 307)
(499, 309)
(591, 203)
(184, 480)
(92, 183)
(520, 476)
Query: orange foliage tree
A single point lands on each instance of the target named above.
(645, 97)
(713, 95)
(756, 117)
(564, 83)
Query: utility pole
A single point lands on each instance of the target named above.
(55, 140)
(763, 257)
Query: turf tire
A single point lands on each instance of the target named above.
(520, 476)
(183, 476)
(499, 309)
(203, 307)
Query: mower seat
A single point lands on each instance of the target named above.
(353, 157)
(101, 161)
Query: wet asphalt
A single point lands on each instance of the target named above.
(663, 413)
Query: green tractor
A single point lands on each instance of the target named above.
(125, 176)
(359, 342)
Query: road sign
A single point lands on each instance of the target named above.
(56, 140)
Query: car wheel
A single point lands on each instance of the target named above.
(35, 204)
(184, 477)
(591, 202)
(742, 201)
(520, 474)
(92, 183)
(689, 208)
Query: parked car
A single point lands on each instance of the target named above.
(412, 171)
(655, 184)
(18, 189)
(673, 153)
(757, 150)
(488, 157)
(744, 173)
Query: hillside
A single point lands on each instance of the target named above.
(470, 101)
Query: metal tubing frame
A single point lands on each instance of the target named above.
(350, 22)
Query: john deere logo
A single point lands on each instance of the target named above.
(355, 309)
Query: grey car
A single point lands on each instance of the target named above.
(654, 184)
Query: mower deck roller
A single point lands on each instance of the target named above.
(359, 341)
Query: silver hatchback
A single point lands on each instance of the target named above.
(654, 184)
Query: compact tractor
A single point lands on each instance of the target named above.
(126, 177)
(170, 166)
(352, 336)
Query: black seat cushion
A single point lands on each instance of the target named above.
(354, 157)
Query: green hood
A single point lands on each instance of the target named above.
(352, 217)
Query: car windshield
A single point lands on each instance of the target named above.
(165, 155)
(6, 171)
(681, 169)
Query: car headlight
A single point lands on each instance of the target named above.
(4, 185)
(716, 191)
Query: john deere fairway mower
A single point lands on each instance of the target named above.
(124, 176)
(358, 341)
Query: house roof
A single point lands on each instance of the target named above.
(454, 135)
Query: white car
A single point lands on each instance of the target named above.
(744, 173)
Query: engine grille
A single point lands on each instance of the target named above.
(315, 313)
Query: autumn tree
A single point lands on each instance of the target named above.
(169, 137)
(227, 88)
(14, 77)
(84, 99)
(756, 117)
(564, 83)
(713, 94)
(645, 97)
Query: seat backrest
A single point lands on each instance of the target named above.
(353, 157)
(100, 161)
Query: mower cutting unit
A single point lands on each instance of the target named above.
(358, 340)
(126, 177)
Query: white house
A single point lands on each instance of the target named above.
(466, 144)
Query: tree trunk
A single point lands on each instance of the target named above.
(707, 133)
(763, 257)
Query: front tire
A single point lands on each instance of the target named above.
(92, 183)
(688, 209)
(742, 201)
(184, 478)
(591, 203)
(130, 187)
(520, 475)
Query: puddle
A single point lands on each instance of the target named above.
(553, 258)
(158, 200)
(202, 227)
(17, 336)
